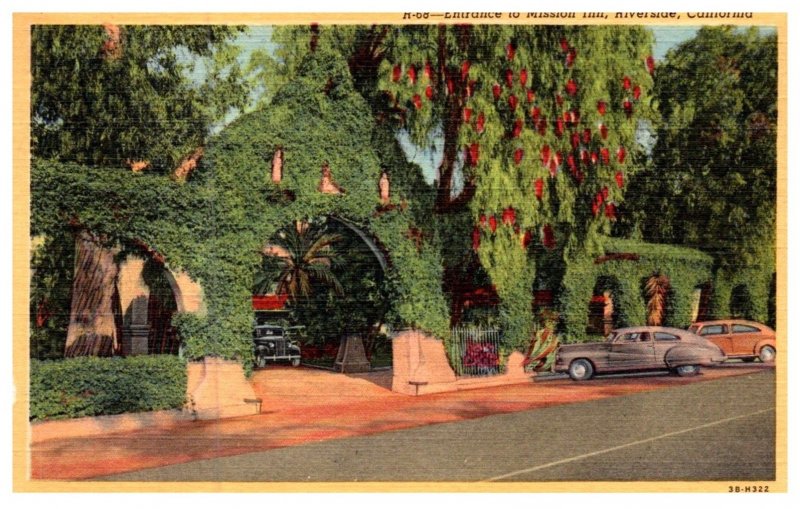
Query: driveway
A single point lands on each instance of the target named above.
(303, 405)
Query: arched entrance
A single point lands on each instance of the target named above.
(603, 315)
(325, 278)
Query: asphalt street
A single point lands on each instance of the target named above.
(719, 430)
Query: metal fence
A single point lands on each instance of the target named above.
(476, 352)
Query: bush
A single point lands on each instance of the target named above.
(87, 386)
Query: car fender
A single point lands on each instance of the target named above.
(761, 344)
(682, 355)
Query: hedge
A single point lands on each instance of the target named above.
(88, 386)
(686, 269)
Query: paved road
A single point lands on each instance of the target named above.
(717, 430)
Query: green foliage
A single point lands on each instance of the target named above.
(87, 386)
(98, 101)
(52, 266)
(712, 182)
(686, 269)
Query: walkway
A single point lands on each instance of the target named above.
(302, 405)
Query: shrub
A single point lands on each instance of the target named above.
(87, 386)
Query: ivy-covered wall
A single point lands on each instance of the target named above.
(686, 269)
(215, 226)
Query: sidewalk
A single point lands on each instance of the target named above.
(302, 405)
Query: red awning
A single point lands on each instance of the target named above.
(269, 302)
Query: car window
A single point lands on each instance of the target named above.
(627, 337)
(663, 336)
(739, 328)
(709, 330)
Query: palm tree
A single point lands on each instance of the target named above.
(656, 289)
(300, 256)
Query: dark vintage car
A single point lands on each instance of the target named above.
(639, 349)
(739, 339)
(275, 343)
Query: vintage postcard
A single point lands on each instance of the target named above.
(416, 251)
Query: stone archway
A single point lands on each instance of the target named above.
(140, 307)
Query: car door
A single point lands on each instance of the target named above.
(631, 350)
(744, 338)
(663, 343)
(719, 334)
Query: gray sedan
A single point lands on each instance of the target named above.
(639, 349)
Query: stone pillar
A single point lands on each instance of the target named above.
(420, 365)
(217, 388)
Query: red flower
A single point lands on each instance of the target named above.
(594, 157)
(598, 199)
(412, 74)
(512, 101)
(637, 92)
(575, 140)
(601, 107)
(628, 107)
(451, 87)
(604, 154)
(493, 224)
(571, 54)
(470, 87)
(396, 72)
(480, 123)
(545, 154)
(511, 50)
(417, 100)
(538, 187)
(559, 100)
(620, 179)
(483, 220)
(558, 158)
(535, 113)
(621, 155)
(585, 157)
(476, 239)
(542, 126)
(429, 92)
(509, 78)
(548, 239)
(574, 117)
(526, 239)
(496, 91)
(587, 136)
(595, 208)
(523, 77)
(464, 70)
(466, 114)
(474, 154)
(603, 131)
(571, 162)
(572, 87)
(553, 167)
(650, 63)
(531, 95)
(428, 70)
(611, 211)
(509, 216)
(626, 83)
(559, 127)
(518, 155)
(604, 192)
(515, 132)
(564, 44)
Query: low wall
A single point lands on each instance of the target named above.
(420, 366)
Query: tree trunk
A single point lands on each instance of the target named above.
(92, 322)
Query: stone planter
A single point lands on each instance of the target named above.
(217, 388)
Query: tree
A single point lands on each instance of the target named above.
(538, 123)
(117, 96)
(302, 255)
(712, 181)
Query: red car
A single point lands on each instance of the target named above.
(739, 339)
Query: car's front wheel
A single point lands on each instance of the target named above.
(766, 354)
(581, 369)
(688, 370)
